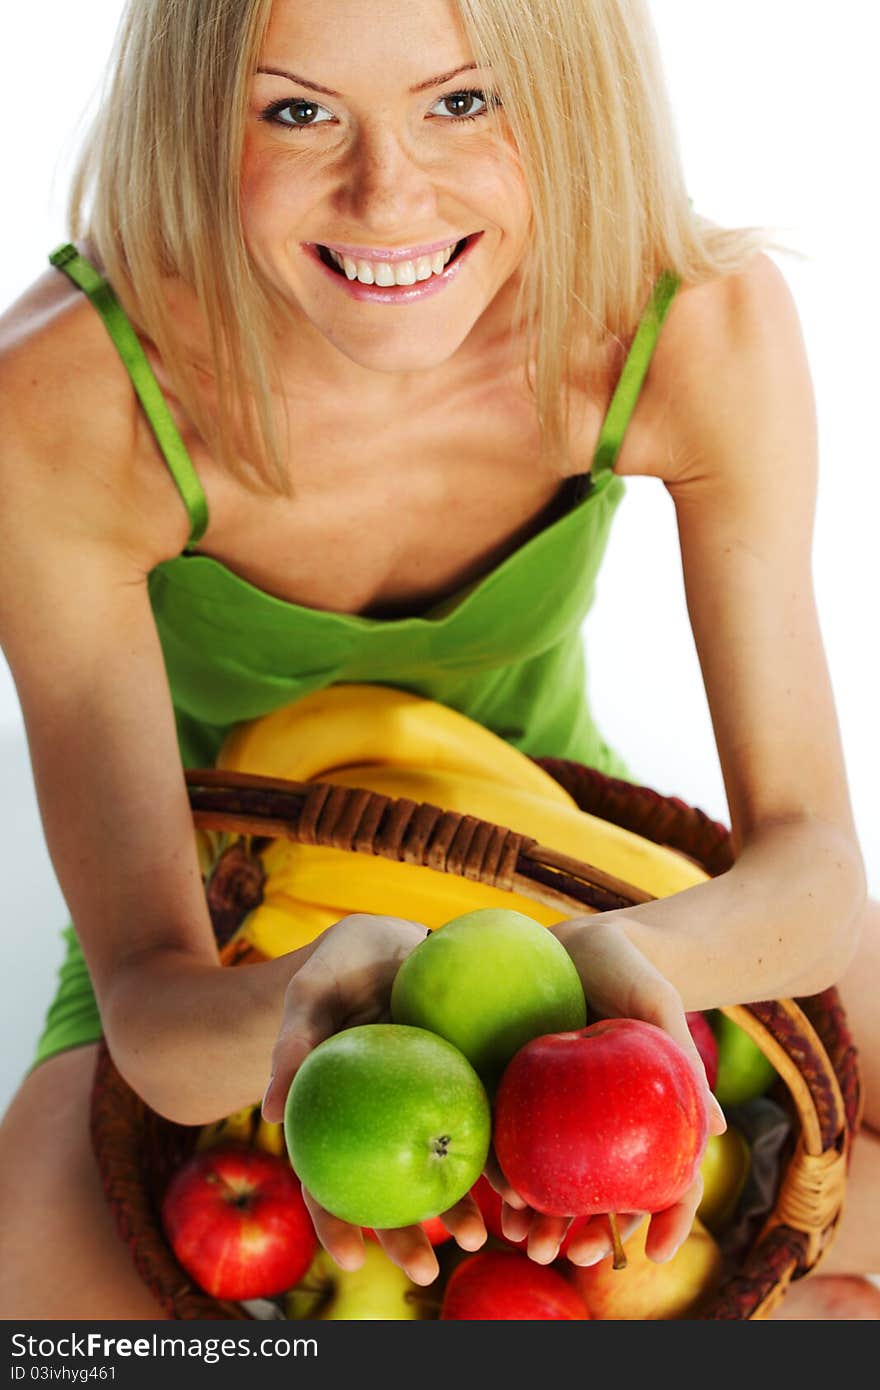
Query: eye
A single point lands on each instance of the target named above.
(302, 110)
(462, 100)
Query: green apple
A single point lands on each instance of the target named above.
(724, 1170)
(743, 1070)
(489, 981)
(379, 1290)
(386, 1125)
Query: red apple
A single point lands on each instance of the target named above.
(502, 1285)
(610, 1118)
(433, 1229)
(237, 1223)
(706, 1045)
(489, 1202)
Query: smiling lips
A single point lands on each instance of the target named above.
(392, 276)
(392, 272)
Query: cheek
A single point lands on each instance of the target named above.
(269, 188)
(497, 177)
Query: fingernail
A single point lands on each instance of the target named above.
(513, 1226)
(671, 1255)
(351, 1260)
(541, 1252)
(472, 1235)
(266, 1093)
(424, 1271)
(719, 1114)
(589, 1255)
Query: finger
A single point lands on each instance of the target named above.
(515, 1221)
(343, 1243)
(546, 1234)
(465, 1222)
(593, 1241)
(496, 1179)
(409, 1248)
(670, 1229)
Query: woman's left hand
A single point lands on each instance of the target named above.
(619, 982)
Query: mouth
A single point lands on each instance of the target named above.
(333, 265)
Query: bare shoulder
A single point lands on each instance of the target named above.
(72, 435)
(730, 356)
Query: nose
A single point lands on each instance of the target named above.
(387, 189)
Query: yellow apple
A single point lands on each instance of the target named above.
(646, 1291)
(378, 1291)
(724, 1169)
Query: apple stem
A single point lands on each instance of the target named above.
(617, 1243)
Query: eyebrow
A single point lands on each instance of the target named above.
(328, 91)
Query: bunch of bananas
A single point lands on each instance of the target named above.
(245, 1126)
(402, 745)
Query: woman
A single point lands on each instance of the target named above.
(256, 171)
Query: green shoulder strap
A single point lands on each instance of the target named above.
(626, 393)
(87, 278)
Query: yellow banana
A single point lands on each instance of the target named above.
(351, 724)
(270, 1138)
(237, 1126)
(401, 745)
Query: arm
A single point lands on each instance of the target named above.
(191, 1039)
(783, 920)
(77, 631)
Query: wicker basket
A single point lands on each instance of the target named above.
(806, 1040)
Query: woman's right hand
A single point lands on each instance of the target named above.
(619, 982)
(347, 981)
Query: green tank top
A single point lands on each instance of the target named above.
(505, 650)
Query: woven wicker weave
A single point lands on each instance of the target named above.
(806, 1040)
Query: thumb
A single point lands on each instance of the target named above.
(677, 1026)
(307, 1020)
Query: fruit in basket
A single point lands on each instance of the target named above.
(606, 1119)
(237, 1223)
(247, 1126)
(645, 1291)
(379, 1290)
(401, 745)
(724, 1170)
(503, 1285)
(743, 1070)
(488, 982)
(269, 1137)
(704, 1041)
(387, 1125)
(240, 1126)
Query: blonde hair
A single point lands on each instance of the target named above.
(583, 91)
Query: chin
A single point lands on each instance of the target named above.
(406, 353)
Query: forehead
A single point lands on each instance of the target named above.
(351, 35)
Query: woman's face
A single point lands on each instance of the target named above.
(373, 165)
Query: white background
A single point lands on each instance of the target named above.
(777, 109)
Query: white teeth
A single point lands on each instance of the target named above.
(394, 272)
